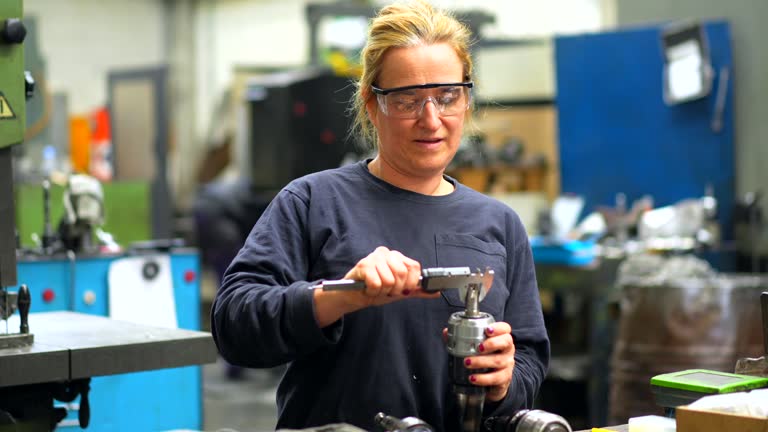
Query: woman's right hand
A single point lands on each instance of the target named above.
(388, 275)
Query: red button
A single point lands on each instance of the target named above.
(299, 109)
(48, 295)
(327, 137)
(189, 276)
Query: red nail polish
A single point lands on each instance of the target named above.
(406, 292)
(481, 348)
(467, 361)
(472, 378)
(490, 330)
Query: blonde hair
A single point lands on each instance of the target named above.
(404, 25)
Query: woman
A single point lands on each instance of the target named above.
(353, 354)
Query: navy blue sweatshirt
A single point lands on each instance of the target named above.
(387, 358)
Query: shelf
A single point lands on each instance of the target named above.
(501, 177)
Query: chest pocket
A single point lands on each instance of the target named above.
(464, 250)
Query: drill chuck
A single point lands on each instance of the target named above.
(465, 334)
(464, 337)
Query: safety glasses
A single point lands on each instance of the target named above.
(408, 102)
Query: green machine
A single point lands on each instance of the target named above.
(15, 87)
(12, 80)
(13, 90)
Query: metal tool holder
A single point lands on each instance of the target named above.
(466, 332)
(387, 423)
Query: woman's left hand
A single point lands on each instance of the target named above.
(497, 353)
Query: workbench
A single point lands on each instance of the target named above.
(70, 348)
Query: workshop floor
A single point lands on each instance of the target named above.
(243, 405)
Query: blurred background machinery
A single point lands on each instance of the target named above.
(50, 362)
(294, 122)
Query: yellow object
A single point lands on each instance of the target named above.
(601, 430)
(342, 66)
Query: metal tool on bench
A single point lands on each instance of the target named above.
(527, 421)
(466, 330)
(386, 423)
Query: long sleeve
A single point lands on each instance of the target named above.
(532, 349)
(387, 358)
(261, 315)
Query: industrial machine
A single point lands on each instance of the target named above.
(53, 356)
(13, 93)
(80, 283)
(298, 125)
(78, 267)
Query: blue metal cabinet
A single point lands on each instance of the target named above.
(145, 401)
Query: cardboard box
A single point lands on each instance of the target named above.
(690, 420)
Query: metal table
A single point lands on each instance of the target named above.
(71, 347)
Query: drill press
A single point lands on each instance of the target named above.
(15, 88)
